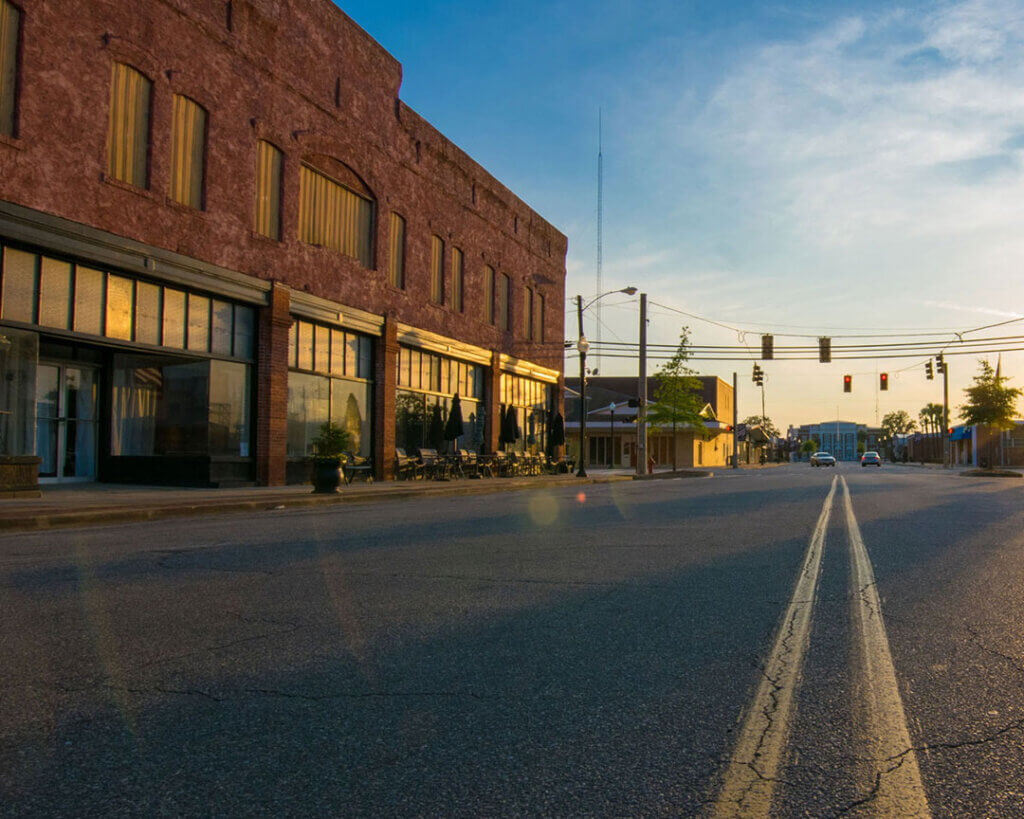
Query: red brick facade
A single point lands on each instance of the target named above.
(301, 75)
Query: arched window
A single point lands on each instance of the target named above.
(335, 216)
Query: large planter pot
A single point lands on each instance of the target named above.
(19, 476)
(326, 475)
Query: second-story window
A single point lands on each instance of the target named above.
(332, 216)
(188, 151)
(128, 146)
(437, 269)
(396, 264)
(269, 166)
(527, 313)
(457, 281)
(504, 302)
(538, 318)
(10, 19)
(489, 294)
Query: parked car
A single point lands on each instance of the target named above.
(871, 459)
(822, 459)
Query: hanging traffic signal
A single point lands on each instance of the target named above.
(847, 383)
(825, 350)
(767, 347)
(928, 370)
(757, 375)
(883, 381)
(940, 364)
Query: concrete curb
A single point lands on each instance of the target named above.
(679, 473)
(990, 473)
(43, 520)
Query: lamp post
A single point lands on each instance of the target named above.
(611, 449)
(581, 347)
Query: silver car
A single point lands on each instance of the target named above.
(822, 459)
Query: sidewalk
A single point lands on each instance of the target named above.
(97, 503)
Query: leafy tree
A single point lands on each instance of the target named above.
(765, 423)
(809, 447)
(896, 423)
(677, 398)
(990, 403)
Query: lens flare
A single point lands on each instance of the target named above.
(543, 509)
(581, 497)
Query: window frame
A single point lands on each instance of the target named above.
(191, 155)
(437, 254)
(147, 173)
(396, 248)
(15, 90)
(278, 226)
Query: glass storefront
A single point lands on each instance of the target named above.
(175, 365)
(329, 380)
(531, 401)
(428, 383)
(19, 354)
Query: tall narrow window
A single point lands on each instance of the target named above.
(269, 164)
(504, 302)
(437, 269)
(457, 280)
(10, 18)
(489, 294)
(396, 263)
(538, 318)
(332, 216)
(527, 313)
(188, 148)
(128, 148)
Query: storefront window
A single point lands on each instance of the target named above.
(19, 352)
(162, 406)
(531, 403)
(309, 407)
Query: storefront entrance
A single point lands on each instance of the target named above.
(66, 408)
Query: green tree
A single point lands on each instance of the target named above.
(677, 398)
(765, 423)
(990, 405)
(809, 447)
(896, 423)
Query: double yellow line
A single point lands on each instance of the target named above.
(890, 775)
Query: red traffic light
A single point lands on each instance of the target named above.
(847, 383)
(883, 381)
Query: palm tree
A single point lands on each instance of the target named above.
(931, 420)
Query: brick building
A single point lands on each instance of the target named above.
(220, 227)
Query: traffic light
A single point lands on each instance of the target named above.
(928, 370)
(767, 347)
(883, 381)
(847, 383)
(758, 376)
(825, 350)
(940, 364)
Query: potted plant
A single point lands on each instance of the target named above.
(329, 455)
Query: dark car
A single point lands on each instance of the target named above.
(870, 459)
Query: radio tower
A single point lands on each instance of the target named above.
(600, 216)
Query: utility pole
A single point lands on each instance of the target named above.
(581, 347)
(735, 418)
(945, 414)
(641, 392)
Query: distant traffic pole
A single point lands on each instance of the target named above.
(735, 419)
(945, 415)
(641, 392)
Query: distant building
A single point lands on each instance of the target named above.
(611, 424)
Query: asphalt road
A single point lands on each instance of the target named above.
(531, 653)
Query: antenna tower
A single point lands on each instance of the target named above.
(600, 217)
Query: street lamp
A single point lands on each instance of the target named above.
(581, 347)
(611, 450)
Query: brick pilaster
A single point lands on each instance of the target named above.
(385, 383)
(492, 397)
(272, 388)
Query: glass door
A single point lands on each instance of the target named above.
(66, 422)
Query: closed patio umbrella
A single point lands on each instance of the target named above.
(515, 433)
(557, 434)
(453, 427)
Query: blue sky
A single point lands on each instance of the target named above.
(787, 166)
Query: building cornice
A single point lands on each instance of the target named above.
(528, 369)
(436, 343)
(315, 308)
